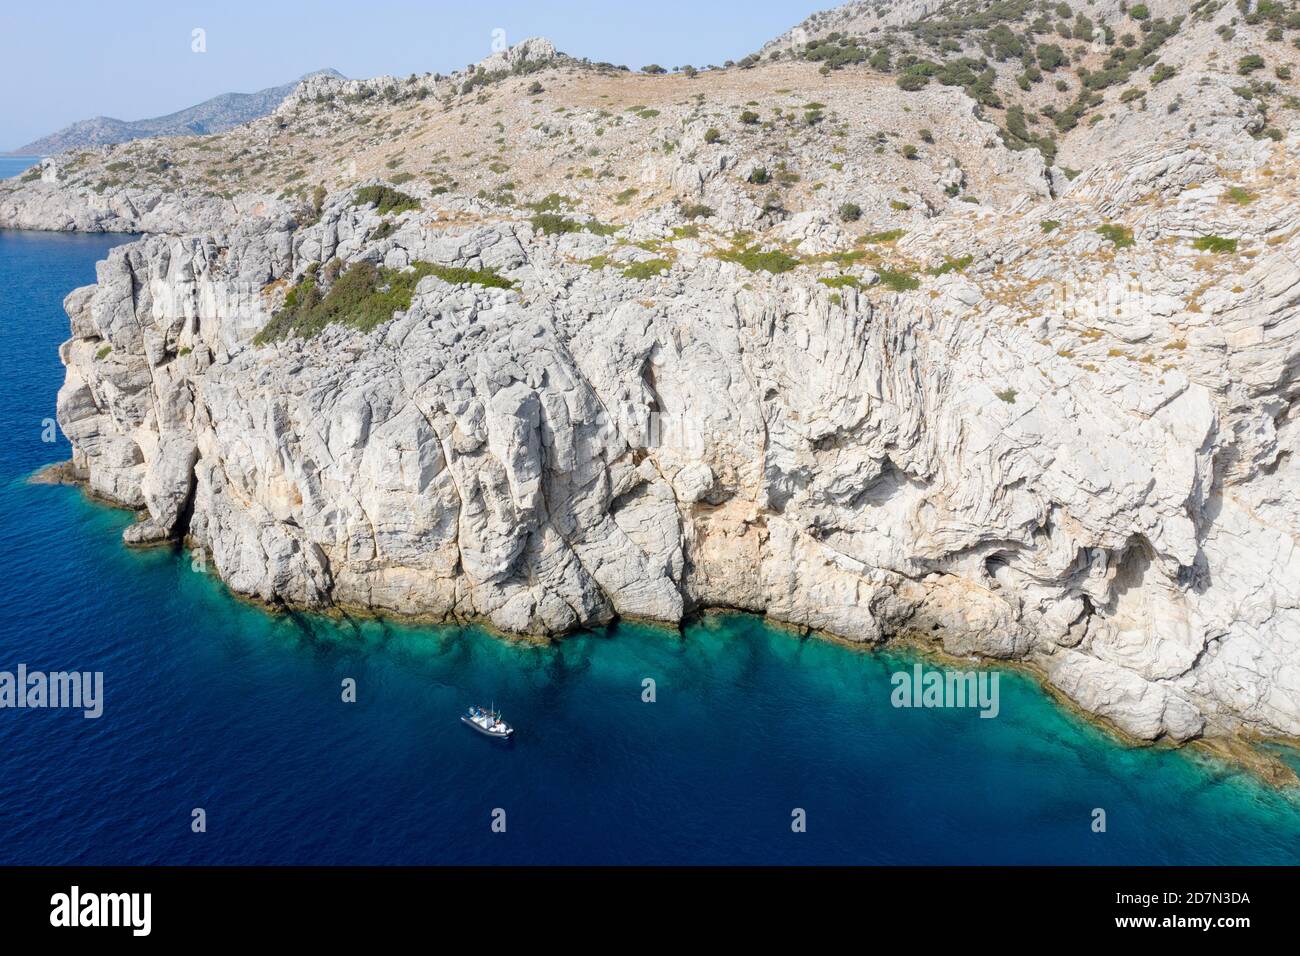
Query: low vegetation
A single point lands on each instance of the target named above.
(385, 199)
(757, 260)
(361, 296)
(1215, 244)
(1121, 237)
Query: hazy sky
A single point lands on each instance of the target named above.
(65, 60)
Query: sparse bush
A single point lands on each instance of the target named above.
(952, 265)
(647, 269)
(1215, 244)
(891, 235)
(553, 224)
(756, 260)
(363, 296)
(1121, 237)
(898, 281)
(385, 199)
(841, 282)
(759, 176)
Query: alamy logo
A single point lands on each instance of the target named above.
(79, 690)
(922, 688)
(102, 909)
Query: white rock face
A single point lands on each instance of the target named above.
(594, 445)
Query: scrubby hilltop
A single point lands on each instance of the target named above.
(872, 343)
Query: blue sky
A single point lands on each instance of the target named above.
(64, 60)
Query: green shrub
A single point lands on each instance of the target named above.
(952, 265)
(749, 117)
(1140, 12)
(363, 297)
(850, 212)
(1240, 196)
(1050, 56)
(385, 199)
(898, 281)
(712, 135)
(551, 202)
(1215, 244)
(647, 269)
(553, 224)
(1049, 225)
(759, 176)
(892, 235)
(696, 210)
(756, 260)
(841, 282)
(1249, 64)
(1121, 237)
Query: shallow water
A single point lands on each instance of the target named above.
(212, 703)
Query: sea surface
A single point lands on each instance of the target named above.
(13, 165)
(212, 703)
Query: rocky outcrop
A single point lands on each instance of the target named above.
(54, 207)
(590, 445)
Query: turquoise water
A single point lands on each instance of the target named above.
(212, 703)
(13, 165)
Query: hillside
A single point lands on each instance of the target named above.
(211, 116)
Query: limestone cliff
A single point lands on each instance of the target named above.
(1054, 422)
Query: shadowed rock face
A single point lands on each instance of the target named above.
(1047, 427)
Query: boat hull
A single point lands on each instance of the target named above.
(486, 733)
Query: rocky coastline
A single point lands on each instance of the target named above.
(1055, 428)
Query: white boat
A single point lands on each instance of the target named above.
(487, 722)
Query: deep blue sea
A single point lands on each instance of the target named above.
(212, 703)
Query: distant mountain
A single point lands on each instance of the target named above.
(211, 116)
